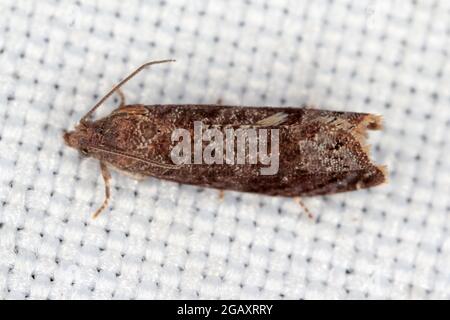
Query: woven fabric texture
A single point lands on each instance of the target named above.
(164, 240)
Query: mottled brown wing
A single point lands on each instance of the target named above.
(320, 152)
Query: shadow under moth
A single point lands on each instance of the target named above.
(278, 151)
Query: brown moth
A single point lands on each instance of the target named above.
(312, 152)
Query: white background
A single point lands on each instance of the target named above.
(164, 240)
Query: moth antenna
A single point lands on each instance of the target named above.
(117, 86)
(161, 165)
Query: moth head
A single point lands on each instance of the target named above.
(79, 138)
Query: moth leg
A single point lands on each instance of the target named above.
(121, 97)
(221, 195)
(107, 179)
(299, 201)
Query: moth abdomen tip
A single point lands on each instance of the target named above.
(384, 171)
(374, 122)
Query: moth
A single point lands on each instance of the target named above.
(277, 151)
